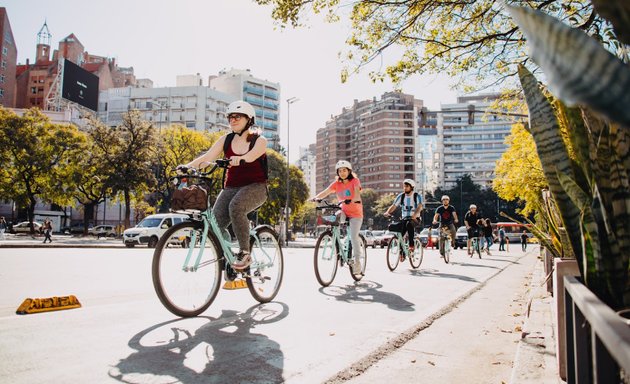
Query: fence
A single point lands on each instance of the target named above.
(598, 339)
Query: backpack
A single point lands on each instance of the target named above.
(416, 197)
(262, 159)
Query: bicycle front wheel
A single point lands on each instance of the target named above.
(186, 276)
(358, 275)
(447, 250)
(326, 259)
(267, 268)
(393, 253)
(416, 256)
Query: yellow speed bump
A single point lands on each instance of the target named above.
(55, 303)
(236, 284)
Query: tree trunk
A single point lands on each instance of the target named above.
(127, 208)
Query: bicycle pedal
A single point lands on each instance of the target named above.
(235, 284)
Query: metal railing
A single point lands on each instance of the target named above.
(598, 339)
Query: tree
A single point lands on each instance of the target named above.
(519, 174)
(476, 41)
(272, 211)
(37, 156)
(132, 153)
(178, 145)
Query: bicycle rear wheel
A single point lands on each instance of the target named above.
(358, 275)
(186, 279)
(415, 259)
(326, 259)
(393, 253)
(267, 268)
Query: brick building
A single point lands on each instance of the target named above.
(8, 60)
(34, 81)
(377, 137)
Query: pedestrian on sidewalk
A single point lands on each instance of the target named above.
(487, 234)
(501, 239)
(524, 238)
(3, 227)
(47, 231)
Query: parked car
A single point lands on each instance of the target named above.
(385, 238)
(424, 237)
(103, 230)
(461, 238)
(370, 239)
(25, 227)
(75, 229)
(151, 228)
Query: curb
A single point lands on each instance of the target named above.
(535, 359)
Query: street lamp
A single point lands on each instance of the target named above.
(286, 208)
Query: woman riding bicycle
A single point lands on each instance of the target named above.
(348, 190)
(411, 207)
(245, 186)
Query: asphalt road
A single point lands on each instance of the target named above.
(123, 334)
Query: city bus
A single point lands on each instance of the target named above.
(513, 231)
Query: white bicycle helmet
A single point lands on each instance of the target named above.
(241, 107)
(343, 164)
(472, 206)
(410, 182)
(445, 197)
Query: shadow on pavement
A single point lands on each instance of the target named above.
(464, 264)
(206, 350)
(436, 273)
(367, 292)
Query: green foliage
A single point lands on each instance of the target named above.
(38, 159)
(476, 41)
(591, 188)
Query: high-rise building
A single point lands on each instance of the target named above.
(196, 107)
(307, 164)
(8, 61)
(263, 95)
(472, 139)
(188, 80)
(427, 157)
(377, 137)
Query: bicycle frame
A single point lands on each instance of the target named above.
(342, 245)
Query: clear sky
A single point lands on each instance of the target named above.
(162, 39)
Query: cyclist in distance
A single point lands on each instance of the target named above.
(245, 186)
(411, 207)
(470, 220)
(447, 217)
(347, 187)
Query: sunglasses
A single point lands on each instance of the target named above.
(235, 116)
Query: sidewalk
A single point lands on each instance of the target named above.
(502, 333)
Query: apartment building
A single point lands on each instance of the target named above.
(471, 139)
(308, 165)
(263, 95)
(195, 107)
(377, 136)
(8, 61)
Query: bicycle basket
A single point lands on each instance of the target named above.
(329, 219)
(193, 197)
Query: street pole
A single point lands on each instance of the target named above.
(286, 208)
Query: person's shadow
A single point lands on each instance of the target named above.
(366, 291)
(206, 350)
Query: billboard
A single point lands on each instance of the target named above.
(79, 85)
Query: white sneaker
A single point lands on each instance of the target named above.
(356, 266)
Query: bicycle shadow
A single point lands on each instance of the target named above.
(206, 350)
(435, 273)
(465, 264)
(367, 292)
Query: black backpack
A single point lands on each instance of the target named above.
(262, 159)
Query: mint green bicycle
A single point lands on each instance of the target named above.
(190, 257)
(398, 250)
(333, 248)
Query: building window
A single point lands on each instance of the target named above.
(1, 79)
(1, 92)
(34, 90)
(5, 51)
(4, 64)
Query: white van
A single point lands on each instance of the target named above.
(151, 228)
